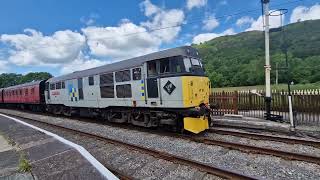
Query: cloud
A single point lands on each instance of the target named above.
(274, 22)
(244, 21)
(81, 63)
(89, 20)
(302, 13)
(69, 50)
(223, 2)
(195, 3)
(33, 48)
(200, 38)
(149, 8)
(4, 67)
(128, 39)
(210, 23)
(120, 42)
(165, 20)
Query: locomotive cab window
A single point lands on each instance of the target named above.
(164, 66)
(152, 68)
(177, 64)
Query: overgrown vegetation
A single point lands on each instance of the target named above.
(11, 79)
(24, 165)
(238, 60)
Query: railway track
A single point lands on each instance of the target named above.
(222, 172)
(256, 136)
(230, 145)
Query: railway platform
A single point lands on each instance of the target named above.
(243, 122)
(249, 122)
(26, 153)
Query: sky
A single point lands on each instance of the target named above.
(60, 37)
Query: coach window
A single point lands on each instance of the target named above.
(32, 90)
(26, 92)
(152, 68)
(164, 66)
(136, 73)
(20, 92)
(63, 85)
(91, 81)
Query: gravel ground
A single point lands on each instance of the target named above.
(297, 148)
(261, 166)
(133, 163)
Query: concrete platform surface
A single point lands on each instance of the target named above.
(249, 122)
(48, 157)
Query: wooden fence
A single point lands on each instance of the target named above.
(306, 104)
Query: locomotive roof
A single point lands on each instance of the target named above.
(129, 63)
(23, 85)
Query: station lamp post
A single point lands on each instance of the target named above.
(267, 65)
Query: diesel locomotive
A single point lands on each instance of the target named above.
(162, 89)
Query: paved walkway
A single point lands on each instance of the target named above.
(48, 157)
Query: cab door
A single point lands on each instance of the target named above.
(153, 83)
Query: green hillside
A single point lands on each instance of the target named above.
(238, 60)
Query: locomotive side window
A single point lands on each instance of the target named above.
(136, 73)
(106, 79)
(122, 76)
(164, 66)
(106, 85)
(52, 86)
(124, 91)
(91, 80)
(107, 91)
(58, 85)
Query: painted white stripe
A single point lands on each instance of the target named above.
(103, 170)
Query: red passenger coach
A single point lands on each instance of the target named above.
(1, 96)
(25, 94)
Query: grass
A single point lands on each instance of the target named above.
(276, 87)
(24, 165)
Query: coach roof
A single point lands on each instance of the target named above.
(23, 85)
(129, 63)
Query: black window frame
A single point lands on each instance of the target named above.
(136, 73)
(58, 85)
(63, 85)
(91, 80)
(123, 75)
(52, 86)
(124, 91)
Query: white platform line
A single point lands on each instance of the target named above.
(103, 170)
